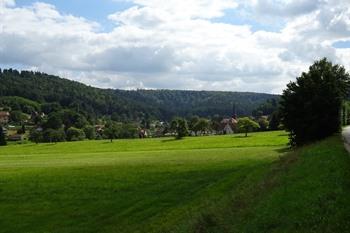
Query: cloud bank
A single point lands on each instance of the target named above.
(178, 44)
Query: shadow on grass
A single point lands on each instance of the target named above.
(284, 150)
(108, 142)
(172, 140)
(240, 136)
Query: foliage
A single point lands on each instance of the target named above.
(36, 136)
(54, 121)
(215, 122)
(75, 134)
(245, 124)
(127, 130)
(54, 94)
(263, 123)
(267, 108)
(48, 108)
(311, 106)
(180, 127)
(192, 123)
(111, 131)
(274, 121)
(197, 124)
(72, 119)
(202, 125)
(16, 103)
(90, 132)
(54, 135)
(2, 137)
(17, 116)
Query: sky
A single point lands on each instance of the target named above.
(225, 45)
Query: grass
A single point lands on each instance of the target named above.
(305, 191)
(125, 186)
(277, 138)
(198, 184)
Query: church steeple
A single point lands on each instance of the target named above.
(234, 110)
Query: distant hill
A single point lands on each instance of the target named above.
(125, 105)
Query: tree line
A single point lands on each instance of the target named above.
(122, 105)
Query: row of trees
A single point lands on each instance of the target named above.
(57, 124)
(182, 128)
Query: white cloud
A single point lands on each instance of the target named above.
(204, 9)
(286, 8)
(176, 44)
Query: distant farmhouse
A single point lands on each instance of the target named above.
(229, 125)
(4, 117)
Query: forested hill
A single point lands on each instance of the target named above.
(48, 90)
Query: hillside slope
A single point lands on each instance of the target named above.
(158, 104)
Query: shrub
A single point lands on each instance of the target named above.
(75, 134)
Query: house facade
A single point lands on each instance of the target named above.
(229, 125)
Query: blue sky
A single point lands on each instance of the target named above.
(227, 45)
(91, 9)
(96, 10)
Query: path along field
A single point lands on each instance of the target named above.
(198, 184)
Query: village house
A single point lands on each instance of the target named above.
(229, 125)
(4, 117)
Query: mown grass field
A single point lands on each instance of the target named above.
(198, 184)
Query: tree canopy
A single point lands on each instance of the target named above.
(246, 125)
(29, 91)
(311, 106)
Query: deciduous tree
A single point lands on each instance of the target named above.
(311, 106)
(246, 125)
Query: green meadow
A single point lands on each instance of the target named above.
(197, 184)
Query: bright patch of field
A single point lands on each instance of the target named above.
(276, 138)
(148, 185)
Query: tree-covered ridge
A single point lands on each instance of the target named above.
(124, 105)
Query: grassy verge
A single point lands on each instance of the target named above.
(306, 191)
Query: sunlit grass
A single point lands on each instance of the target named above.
(128, 185)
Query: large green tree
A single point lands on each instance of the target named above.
(179, 125)
(311, 106)
(245, 124)
(75, 134)
(111, 131)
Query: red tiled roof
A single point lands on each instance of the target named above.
(3, 114)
